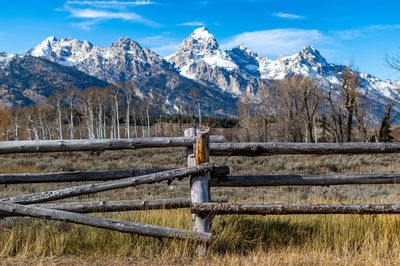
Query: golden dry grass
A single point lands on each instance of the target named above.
(242, 240)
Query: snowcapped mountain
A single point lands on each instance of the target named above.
(122, 61)
(200, 58)
(126, 60)
(222, 76)
(241, 70)
(5, 59)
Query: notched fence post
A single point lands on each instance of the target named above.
(199, 184)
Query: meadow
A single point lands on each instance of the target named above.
(241, 240)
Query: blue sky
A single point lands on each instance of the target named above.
(361, 32)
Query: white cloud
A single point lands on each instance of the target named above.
(86, 25)
(193, 23)
(363, 32)
(94, 12)
(101, 15)
(275, 42)
(288, 16)
(110, 4)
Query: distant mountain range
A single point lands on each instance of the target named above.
(222, 76)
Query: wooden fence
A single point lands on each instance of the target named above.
(199, 147)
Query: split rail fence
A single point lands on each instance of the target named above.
(199, 147)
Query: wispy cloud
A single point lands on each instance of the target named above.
(193, 23)
(111, 3)
(276, 41)
(288, 16)
(95, 12)
(86, 25)
(351, 34)
(99, 15)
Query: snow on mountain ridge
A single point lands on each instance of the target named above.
(236, 71)
(5, 59)
(121, 61)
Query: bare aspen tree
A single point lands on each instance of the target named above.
(349, 84)
(289, 113)
(56, 100)
(5, 118)
(148, 104)
(87, 97)
(195, 94)
(116, 92)
(15, 122)
(135, 112)
(245, 115)
(310, 95)
(265, 106)
(159, 101)
(179, 105)
(129, 89)
(71, 95)
(343, 103)
(100, 107)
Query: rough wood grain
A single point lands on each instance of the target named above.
(199, 189)
(7, 147)
(79, 176)
(120, 205)
(100, 222)
(278, 209)
(303, 180)
(202, 145)
(269, 148)
(109, 185)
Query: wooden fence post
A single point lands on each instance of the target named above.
(199, 188)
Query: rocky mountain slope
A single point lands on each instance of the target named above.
(126, 60)
(221, 76)
(26, 79)
(240, 70)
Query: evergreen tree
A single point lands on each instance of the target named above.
(386, 137)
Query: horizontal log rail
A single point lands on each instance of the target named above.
(270, 148)
(100, 222)
(279, 209)
(8, 147)
(120, 205)
(80, 176)
(109, 185)
(303, 180)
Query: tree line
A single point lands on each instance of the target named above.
(304, 109)
(295, 109)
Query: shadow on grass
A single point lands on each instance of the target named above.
(243, 234)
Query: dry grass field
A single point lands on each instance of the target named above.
(242, 240)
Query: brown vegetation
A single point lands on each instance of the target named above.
(270, 240)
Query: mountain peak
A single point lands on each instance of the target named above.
(50, 39)
(127, 44)
(242, 47)
(310, 49)
(312, 55)
(202, 33)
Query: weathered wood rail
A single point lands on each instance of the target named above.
(303, 180)
(271, 148)
(120, 205)
(8, 147)
(278, 209)
(199, 147)
(100, 222)
(109, 185)
(105, 175)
